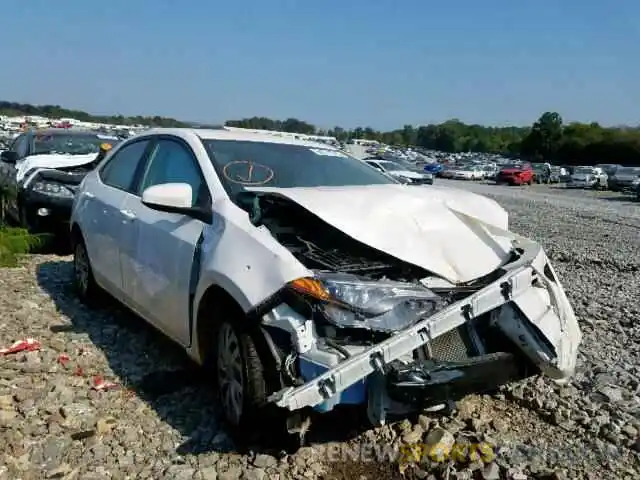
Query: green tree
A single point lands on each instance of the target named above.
(545, 139)
(56, 112)
(548, 138)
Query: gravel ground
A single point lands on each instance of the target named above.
(159, 420)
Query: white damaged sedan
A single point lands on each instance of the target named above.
(307, 279)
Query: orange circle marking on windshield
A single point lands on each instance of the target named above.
(246, 178)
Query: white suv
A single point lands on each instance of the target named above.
(307, 278)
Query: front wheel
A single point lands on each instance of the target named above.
(25, 219)
(241, 385)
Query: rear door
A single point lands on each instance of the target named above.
(106, 222)
(160, 264)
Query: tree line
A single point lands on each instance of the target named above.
(549, 138)
(14, 109)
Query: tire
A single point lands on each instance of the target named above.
(25, 221)
(84, 282)
(238, 366)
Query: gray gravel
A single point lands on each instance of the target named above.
(160, 421)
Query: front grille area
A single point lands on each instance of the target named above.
(451, 346)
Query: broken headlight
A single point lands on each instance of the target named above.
(356, 302)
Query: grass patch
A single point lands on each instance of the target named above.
(15, 242)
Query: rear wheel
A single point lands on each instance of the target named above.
(84, 282)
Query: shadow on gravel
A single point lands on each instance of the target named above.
(53, 245)
(160, 373)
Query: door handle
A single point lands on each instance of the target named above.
(128, 214)
(89, 195)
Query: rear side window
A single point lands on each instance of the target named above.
(120, 170)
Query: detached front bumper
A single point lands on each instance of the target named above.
(427, 382)
(527, 304)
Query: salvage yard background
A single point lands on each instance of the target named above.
(159, 421)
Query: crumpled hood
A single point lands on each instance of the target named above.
(455, 234)
(55, 160)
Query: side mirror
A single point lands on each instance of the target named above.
(175, 198)
(9, 156)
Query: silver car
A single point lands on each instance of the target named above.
(625, 179)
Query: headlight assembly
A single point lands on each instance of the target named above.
(351, 301)
(50, 188)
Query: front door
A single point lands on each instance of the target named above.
(160, 261)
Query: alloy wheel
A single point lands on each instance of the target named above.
(230, 375)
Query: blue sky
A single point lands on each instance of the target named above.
(382, 63)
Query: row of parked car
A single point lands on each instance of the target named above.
(301, 276)
(602, 177)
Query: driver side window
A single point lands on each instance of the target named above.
(172, 162)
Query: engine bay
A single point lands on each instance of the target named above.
(320, 246)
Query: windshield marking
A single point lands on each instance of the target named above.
(246, 177)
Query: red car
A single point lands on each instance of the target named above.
(516, 174)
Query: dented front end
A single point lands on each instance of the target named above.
(515, 323)
(368, 327)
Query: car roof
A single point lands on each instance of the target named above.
(222, 134)
(68, 132)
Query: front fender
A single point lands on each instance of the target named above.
(243, 260)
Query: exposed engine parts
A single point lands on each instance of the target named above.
(318, 245)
